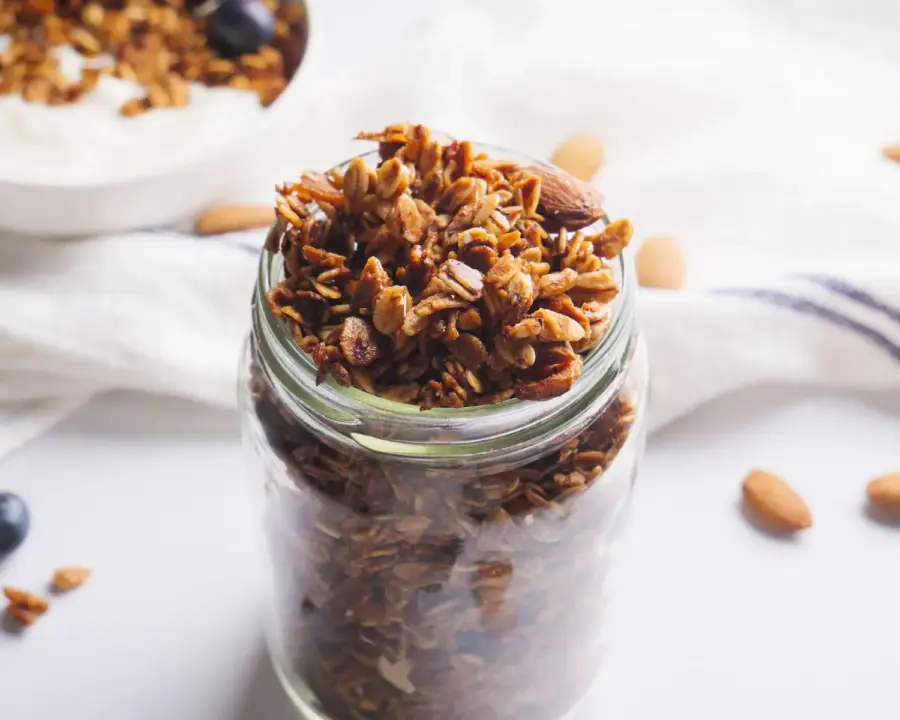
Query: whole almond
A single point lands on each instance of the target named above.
(660, 263)
(581, 155)
(892, 152)
(567, 201)
(231, 218)
(884, 492)
(774, 502)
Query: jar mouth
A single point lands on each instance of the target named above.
(295, 371)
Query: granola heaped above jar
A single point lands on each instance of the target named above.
(443, 277)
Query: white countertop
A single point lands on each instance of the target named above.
(716, 620)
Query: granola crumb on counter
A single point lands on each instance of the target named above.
(24, 606)
(69, 578)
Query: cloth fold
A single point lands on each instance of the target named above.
(749, 136)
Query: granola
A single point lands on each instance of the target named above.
(444, 277)
(160, 46)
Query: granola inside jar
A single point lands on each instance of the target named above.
(439, 523)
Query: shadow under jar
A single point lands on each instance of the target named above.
(445, 564)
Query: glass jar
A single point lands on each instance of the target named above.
(443, 564)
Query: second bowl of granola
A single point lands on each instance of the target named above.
(123, 115)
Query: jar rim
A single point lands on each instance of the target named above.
(296, 372)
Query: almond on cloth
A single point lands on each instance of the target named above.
(581, 155)
(65, 579)
(884, 492)
(775, 503)
(660, 263)
(232, 218)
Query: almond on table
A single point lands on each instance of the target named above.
(884, 492)
(773, 501)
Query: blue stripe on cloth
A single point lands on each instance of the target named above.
(840, 286)
(808, 307)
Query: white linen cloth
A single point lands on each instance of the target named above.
(749, 130)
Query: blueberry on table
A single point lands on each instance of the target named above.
(240, 27)
(14, 522)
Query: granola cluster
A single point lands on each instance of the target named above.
(157, 44)
(444, 277)
(411, 593)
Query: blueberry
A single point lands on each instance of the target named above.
(14, 522)
(240, 27)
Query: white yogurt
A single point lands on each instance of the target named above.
(89, 142)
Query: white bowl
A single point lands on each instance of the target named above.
(153, 200)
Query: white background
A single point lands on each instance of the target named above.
(717, 620)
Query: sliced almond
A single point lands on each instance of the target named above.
(231, 218)
(581, 155)
(65, 579)
(775, 503)
(660, 264)
(397, 673)
(884, 491)
(567, 201)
